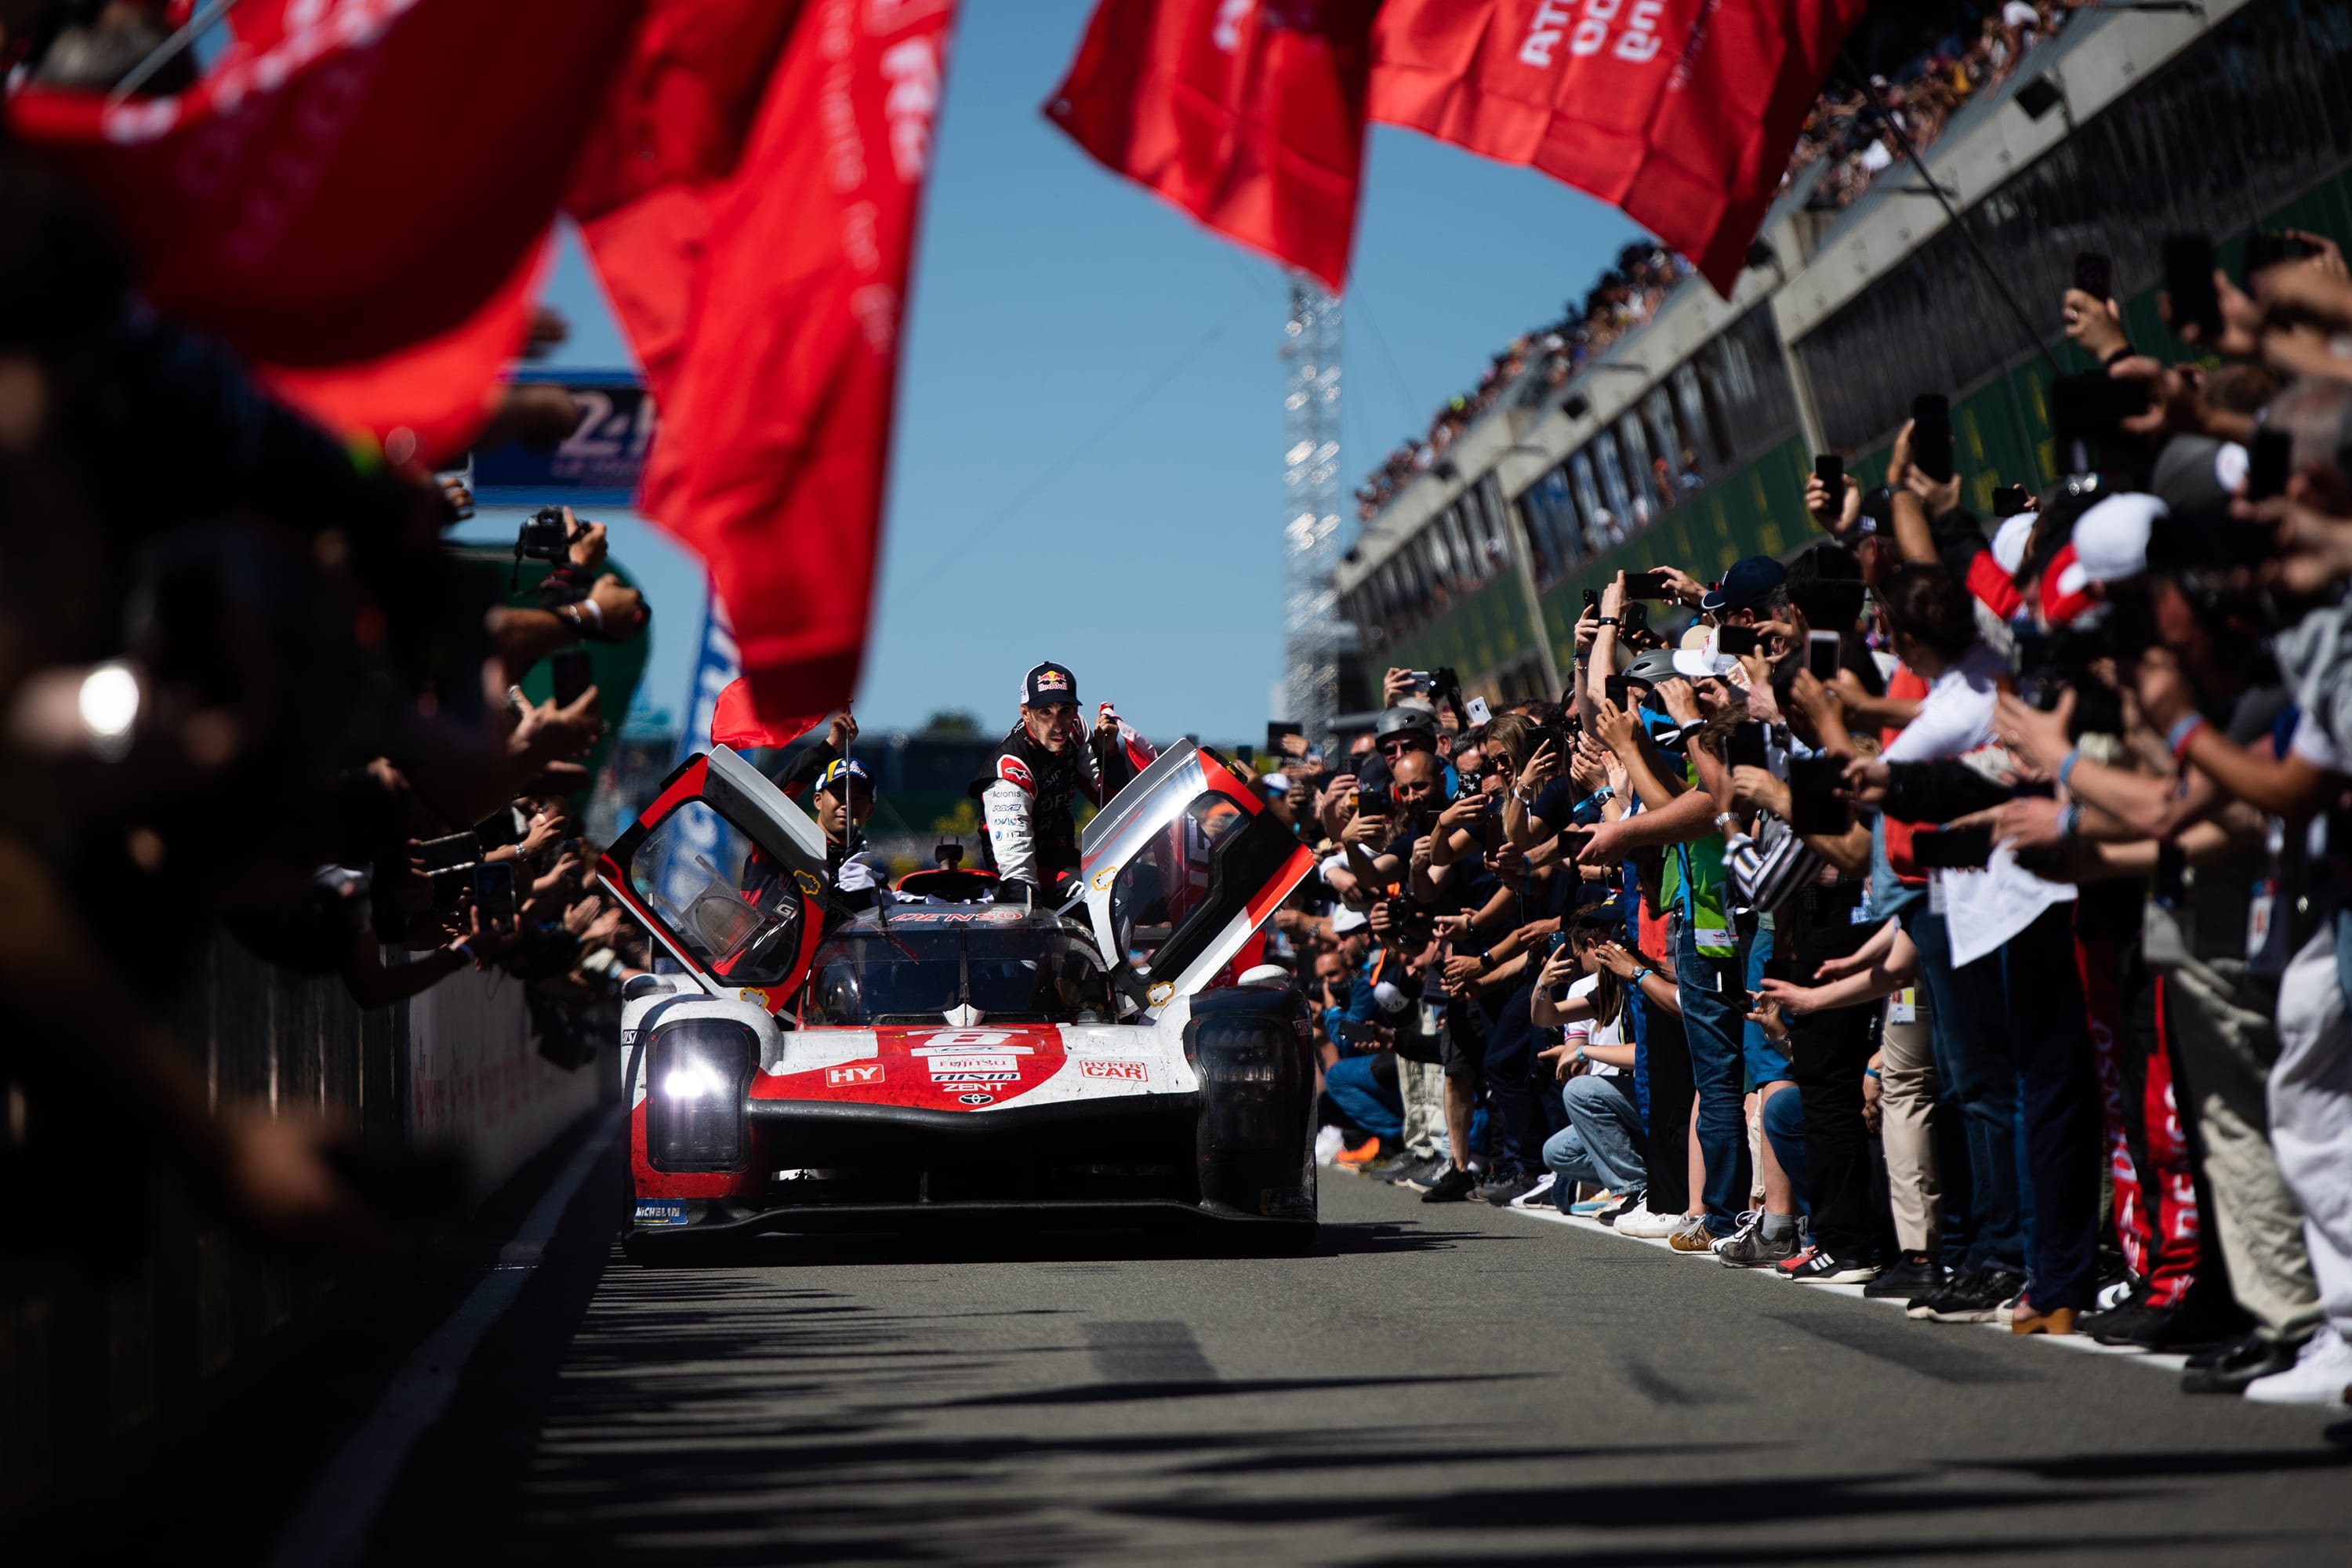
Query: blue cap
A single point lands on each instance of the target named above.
(842, 768)
(1748, 586)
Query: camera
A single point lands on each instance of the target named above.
(543, 536)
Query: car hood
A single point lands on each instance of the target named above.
(976, 1069)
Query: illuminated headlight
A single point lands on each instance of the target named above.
(699, 1070)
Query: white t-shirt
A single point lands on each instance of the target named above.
(1982, 908)
(2018, 13)
(1592, 1031)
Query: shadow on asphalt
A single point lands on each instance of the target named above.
(1005, 1244)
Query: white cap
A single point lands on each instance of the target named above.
(1346, 918)
(2111, 539)
(1389, 997)
(1702, 659)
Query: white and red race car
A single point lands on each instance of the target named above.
(931, 1062)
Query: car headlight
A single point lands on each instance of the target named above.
(697, 1072)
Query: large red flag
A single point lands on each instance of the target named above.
(1680, 112)
(765, 285)
(1248, 114)
(339, 192)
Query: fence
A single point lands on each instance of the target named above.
(156, 1321)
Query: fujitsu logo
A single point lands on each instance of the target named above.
(912, 69)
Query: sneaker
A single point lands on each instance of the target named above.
(1453, 1187)
(1692, 1235)
(1748, 1247)
(1502, 1185)
(1328, 1141)
(1787, 1267)
(1419, 1174)
(1537, 1196)
(2127, 1322)
(1976, 1296)
(1385, 1168)
(1593, 1206)
(1649, 1225)
(1820, 1269)
(2026, 1319)
(2226, 1368)
(1362, 1155)
(1630, 1204)
(2321, 1372)
(1917, 1275)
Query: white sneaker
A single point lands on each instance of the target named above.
(1649, 1225)
(1328, 1144)
(2319, 1376)
(1538, 1196)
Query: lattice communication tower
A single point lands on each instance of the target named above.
(1310, 486)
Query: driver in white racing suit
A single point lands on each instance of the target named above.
(1033, 780)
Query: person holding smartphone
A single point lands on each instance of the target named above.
(1585, 990)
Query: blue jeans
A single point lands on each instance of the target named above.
(1974, 1066)
(1375, 1107)
(1766, 1063)
(1715, 1022)
(1784, 1124)
(1601, 1144)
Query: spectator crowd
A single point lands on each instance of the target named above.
(1956, 910)
(245, 689)
(1952, 55)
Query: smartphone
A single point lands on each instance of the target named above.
(1634, 617)
(447, 854)
(494, 893)
(2091, 405)
(1619, 690)
(1479, 710)
(1931, 435)
(1953, 848)
(1592, 600)
(1420, 679)
(1830, 469)
(1745, 747)
(1823, 653)
(2267, 463)
(2011, 500)
(1375, 803)
(2171, 875)
(1647, 586)
(452, 886)
(1814, 806)
(1274, 734)
(1247, 754)
(2188, 280)
(2095, 274)
(574, 672)
(1735, 640)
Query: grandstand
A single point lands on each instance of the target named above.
(1690, 438)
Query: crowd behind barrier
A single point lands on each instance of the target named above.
(1955, 909)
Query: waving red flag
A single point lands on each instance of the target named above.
(761, 274)
(339, 196)
(1679, 112)
(1248, 114)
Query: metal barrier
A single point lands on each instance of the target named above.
(94, 1362)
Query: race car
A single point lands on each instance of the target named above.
(939, 1060)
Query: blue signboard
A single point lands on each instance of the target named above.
(597, 465)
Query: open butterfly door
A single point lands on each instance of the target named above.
(1181, 868)
(729, 875)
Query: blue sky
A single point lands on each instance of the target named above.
(1051, 295)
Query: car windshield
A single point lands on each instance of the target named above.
(913, 973)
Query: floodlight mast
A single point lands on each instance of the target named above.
(1310, 491)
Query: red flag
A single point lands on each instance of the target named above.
(425, 404)
(348, 189)
(1249, 115)
(776, 293)
(1679, 112)
(734, 723)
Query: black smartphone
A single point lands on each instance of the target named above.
(1634, 617)
(2095, 274)
(1830, 469)
(572, 672)
(1735, 640)
(1931, 435)
(1780, 966)
(1823, 653)
(1814, 805)
(494, 891)
(2171, 875)
(1274, 734)
(1572, 840)
(1592, 600)
(447, 854)
(1247, 754)
(1375, 802)
(1619, 690)
(2011, 500)
(2268, 460)
(1745, 746)
(451, 888)
(1647, 586)
(1953, 848)
(2188, 280)
(2091, 405)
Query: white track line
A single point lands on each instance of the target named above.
(2083, 1342)
(331, 1527)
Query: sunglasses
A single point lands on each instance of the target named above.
(1391, 748)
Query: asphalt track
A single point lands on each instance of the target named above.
(1451, 1384)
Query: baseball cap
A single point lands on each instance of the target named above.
(1346, 918)
(1703, 657)
(838, 771)
(1046, 683)
(1748, 584)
